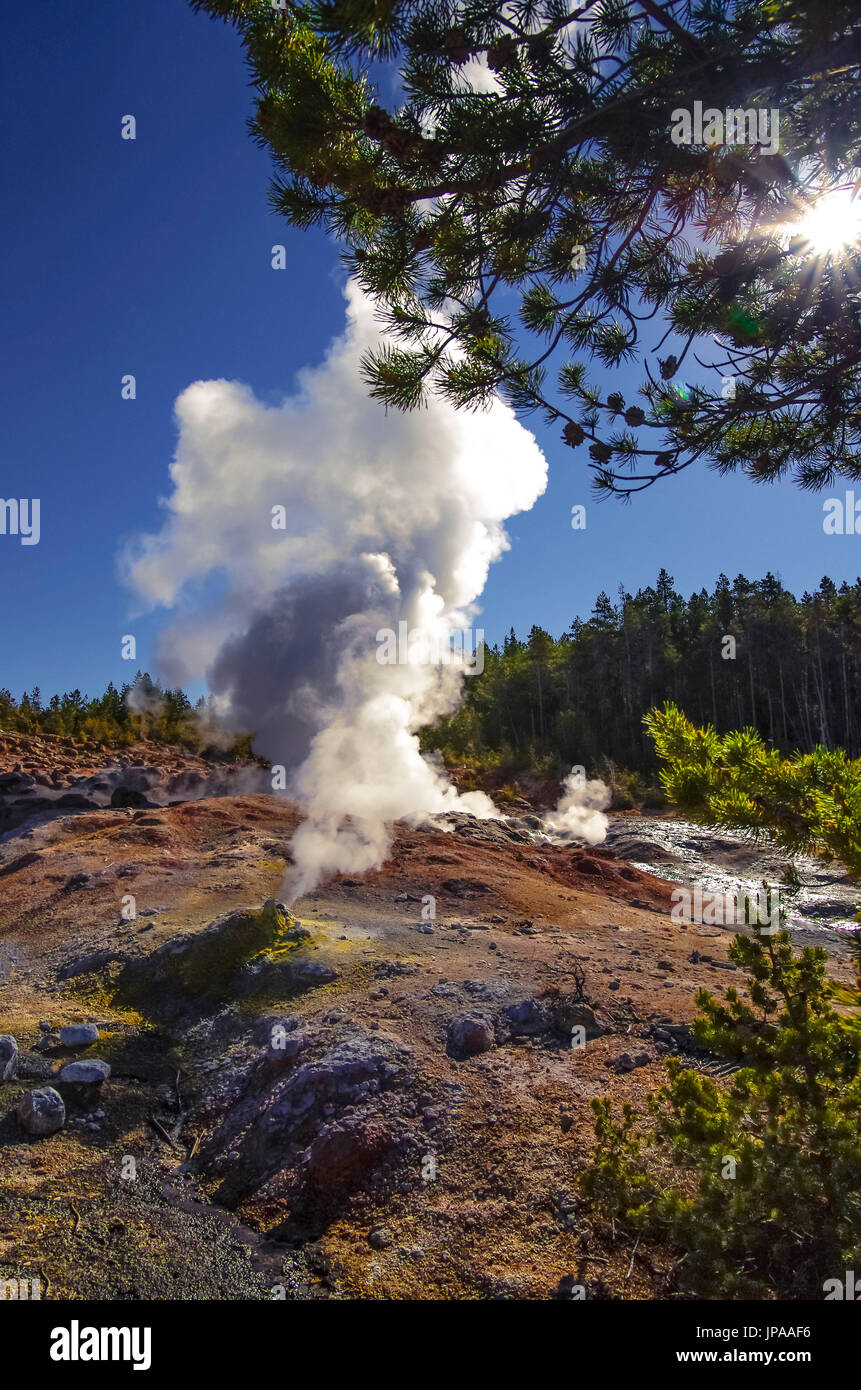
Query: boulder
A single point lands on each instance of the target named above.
(573, 1013)
(81, 1082)
(41, 1112)
(344, 1151)
(126, 797)
(469, 1034)
(528, 1018)
(79, 1034)
(201, 970)
(8, 1057)
(380, 1238)
(91, 1073)
(322, 1124)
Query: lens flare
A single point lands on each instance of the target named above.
(832, 223)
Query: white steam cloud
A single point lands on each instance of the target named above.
(580, 812)
(386, 518)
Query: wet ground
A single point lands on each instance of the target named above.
(724, 862)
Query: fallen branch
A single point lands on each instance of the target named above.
(164, 1134)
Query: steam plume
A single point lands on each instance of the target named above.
(579, 814)
(385, 519)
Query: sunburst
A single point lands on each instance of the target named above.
(830, 224)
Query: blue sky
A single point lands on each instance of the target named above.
(153, 257)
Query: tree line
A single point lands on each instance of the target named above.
(141, 709)
(746, 654)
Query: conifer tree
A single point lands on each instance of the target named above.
(752, 1183)
(510, 183)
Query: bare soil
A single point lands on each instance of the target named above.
(495, 1214)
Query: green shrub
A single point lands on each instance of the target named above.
(752, 1184)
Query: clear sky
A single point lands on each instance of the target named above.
(152, 257)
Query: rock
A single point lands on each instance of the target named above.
(380, 1239)
(469, 1034)
(87, 965)
(624, 1063)
(271, 1028)
(79, 1034)
(283, 1050)
(201, 970)
(665, 965)
(125, 797)
(8, 1057)
(81, 1082)
(32, 1067)
(13, 780)
(307, 974)
(574, 1013)
(47, 1040)
(76, 881)
(41, 1112)
(528, 1018)
(313, 1128)
(74, 801)
(343, 1151)
(425, 929)
(91, 1073)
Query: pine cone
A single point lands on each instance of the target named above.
(376, 122)
(457, 46)
(573, 435)
(387, 202)
(501, 54)
(399, 143)
(601, 453)
(540, 52)
(726, 262)
(616, 401)
(634, 416)
(668, 367)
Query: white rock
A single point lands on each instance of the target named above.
(86, 1073)
(79, 1034)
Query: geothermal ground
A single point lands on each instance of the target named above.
(353, 1102)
